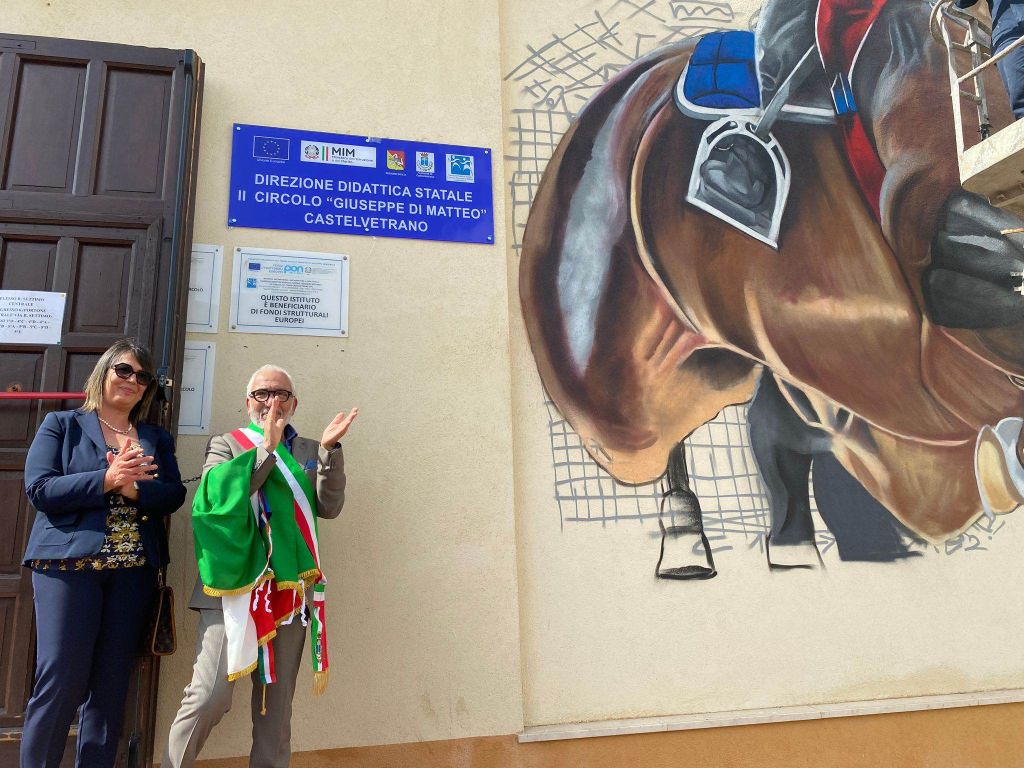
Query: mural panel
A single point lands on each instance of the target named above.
(763, 309)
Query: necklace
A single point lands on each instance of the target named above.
(115, 429)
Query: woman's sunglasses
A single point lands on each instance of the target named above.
(125, 371)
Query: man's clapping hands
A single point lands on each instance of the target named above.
(337, 429)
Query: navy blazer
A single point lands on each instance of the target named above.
(64, 473)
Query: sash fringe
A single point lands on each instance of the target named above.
(320, 680)
(267, 638)
(242, 673)
(213, 592)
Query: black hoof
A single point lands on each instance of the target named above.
(687, 572)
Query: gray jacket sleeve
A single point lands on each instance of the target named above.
(330, 481)
(218, 451)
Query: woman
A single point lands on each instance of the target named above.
(101, 483)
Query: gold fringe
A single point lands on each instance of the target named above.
(310, 577)
(267, 638)
(289, 616)
(320, 680)
(294, 585)
(267, 576)
(247, 671)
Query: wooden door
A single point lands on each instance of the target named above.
(98, 148)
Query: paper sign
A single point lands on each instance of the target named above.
(31, 317)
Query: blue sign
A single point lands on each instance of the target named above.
(358, 185)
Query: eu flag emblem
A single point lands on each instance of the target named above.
(269, 148)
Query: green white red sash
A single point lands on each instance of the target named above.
(278, 595)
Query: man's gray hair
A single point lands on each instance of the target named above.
(269, 367)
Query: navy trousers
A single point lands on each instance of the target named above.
(1008, 28)
(88, 628)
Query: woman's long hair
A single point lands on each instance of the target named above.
(94, 384)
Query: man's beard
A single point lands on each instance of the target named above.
(258, 413)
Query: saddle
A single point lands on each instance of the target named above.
(741, 173)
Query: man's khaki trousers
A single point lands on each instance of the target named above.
(208, 697)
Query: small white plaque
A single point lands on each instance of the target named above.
(204, 288)
(31, 317)
(291, 292)
(196, 404)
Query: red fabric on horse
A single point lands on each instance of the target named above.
(841, 27)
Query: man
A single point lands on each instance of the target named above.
(1007, 26)
(264, 451)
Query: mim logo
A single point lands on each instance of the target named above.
(339, 154)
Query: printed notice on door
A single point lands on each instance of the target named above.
(31, 317)
(292, 292)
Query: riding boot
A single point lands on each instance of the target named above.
(785, 30)
(738, 178)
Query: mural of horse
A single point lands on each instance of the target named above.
(888, 327)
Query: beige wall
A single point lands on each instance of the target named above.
(424, 623)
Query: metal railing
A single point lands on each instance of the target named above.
(18, 395)
(976, 42)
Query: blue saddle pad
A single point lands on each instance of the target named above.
(722, 74)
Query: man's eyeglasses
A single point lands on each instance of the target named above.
(263, 395)
(125, 371)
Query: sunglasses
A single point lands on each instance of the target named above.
(125, 371)
(263, 395)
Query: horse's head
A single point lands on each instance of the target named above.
(628, 372)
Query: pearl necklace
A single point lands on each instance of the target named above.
(115, 429)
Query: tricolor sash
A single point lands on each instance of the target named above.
(259, 554)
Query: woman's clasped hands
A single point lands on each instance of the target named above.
(127, 468)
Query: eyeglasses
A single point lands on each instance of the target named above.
(263, 395)
(125, 371)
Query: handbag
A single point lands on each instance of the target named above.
(161, 639)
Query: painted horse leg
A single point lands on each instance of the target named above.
(864, 530)
(781, 442)
(682, 529)
(786, 447)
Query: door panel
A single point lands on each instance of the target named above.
(18, 371)
(101, 269)
(98, 150)
(133, 135)
(27, 264)
(45, 126)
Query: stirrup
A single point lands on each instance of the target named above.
(761, 220)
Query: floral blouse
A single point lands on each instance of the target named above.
(122, 544)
